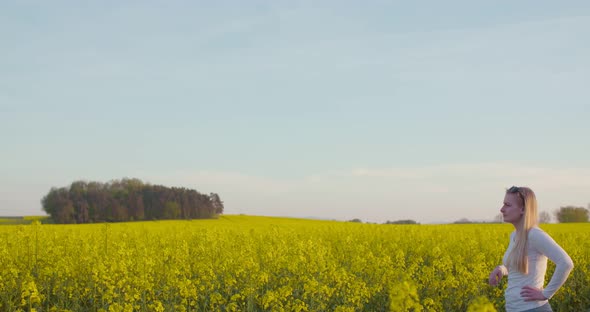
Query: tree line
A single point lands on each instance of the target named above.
(566, 214)
(127, 200)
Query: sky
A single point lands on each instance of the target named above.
(377, 110)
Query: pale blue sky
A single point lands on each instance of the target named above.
(336, 109)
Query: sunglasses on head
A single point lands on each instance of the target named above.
(514, 189)
(517, 190)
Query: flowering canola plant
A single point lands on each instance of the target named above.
(245, 263)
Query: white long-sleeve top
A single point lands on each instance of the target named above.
(540, 246)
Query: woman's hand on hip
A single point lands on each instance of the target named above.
(532, 293)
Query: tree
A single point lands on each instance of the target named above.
(217, 203)
(544, 217)
(58, 205)
(66, 214)
(356, 220)
(171, 210)
(402, 222)
(79, 194)
(571, 214)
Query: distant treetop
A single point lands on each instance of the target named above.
(571, 214)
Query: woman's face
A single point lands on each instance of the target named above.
(512, 210)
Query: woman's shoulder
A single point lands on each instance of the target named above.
(536, 231)
(537, 234)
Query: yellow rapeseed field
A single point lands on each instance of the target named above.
(245, 263)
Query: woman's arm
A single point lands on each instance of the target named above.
(543, 243)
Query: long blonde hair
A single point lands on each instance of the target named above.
(518, 255)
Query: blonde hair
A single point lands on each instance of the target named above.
(518, 255)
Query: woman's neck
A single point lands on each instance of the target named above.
(518, 225)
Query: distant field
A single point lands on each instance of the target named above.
(244, 263)
(22, 220)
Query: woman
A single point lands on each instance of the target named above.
(525, 260)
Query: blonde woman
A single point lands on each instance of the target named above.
(525, 260)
